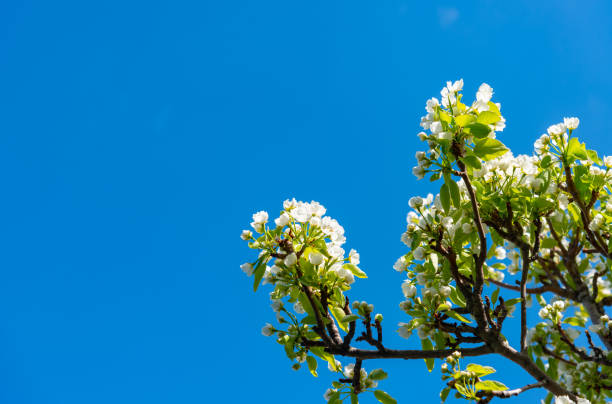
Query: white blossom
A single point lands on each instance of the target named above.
(484, 94)
(408, 289)
(282, 220)
(247, 268)
(415, 202)
(419, 253)
(290, 260)
(571, 123)
(267, 330)
(315, 258)
(246, 234)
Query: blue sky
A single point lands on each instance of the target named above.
(137, 138)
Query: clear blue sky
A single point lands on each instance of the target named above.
(137, 138)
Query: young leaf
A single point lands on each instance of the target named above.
(478, 130)
(378, 374)
(491, 385)
(384, 397)
(259, 273)
(312, 365)
(355, 270)
(488, 149)
(454, 193)
(464, 120)
(488, 117)
(428, 346)
(349, 318)
(480, 370)
(445, 197)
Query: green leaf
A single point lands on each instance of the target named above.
(445, 197)
(334, 398)
(259, 273)
(444, 394)
(378, 374)
(488, 117)
(575, 321)
(454, 193)
(355, 270)
(576, 150)
(457, 298)
(339, 315)
(384, 397)
(457, 316)
(494, 296)
(428, 346)
(478, 130)
(349, 318)
(493, 107)
(546, 161)
(593, 156)
(472, 161)
(512, 302)
(312, 365)
(491, 385)
(480, 370)
(444, 116)
(548, 243)
(463, 120)
(488, 149)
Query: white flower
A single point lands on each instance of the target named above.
(555, 130)
(543, 313)
(401, 264)
(408, 289)
(595, 328)
(348, 370)
(247, 268)
(267, 330)
(418, 172)
(246, 234)
(282, 220)
(445, 291)
(406, 239)
(608, 161)
(445, 136)
(328, 394)
(298, 308)
(336, 367)
(290, 259)
(484, 94)
(259, 219)
(404, 331)
(563, 400)
(563, 201)
(415, 202)
(559, 305)
(436, 127)
(422, 135)
(315, 258)
(277, 305)
(431, 105)
(419, 253)
(500, 253)
(354, 257)
(571, 123)
(572, 333)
